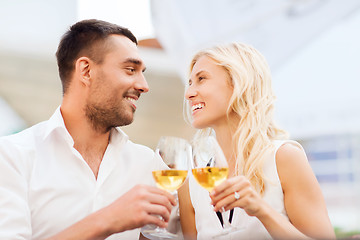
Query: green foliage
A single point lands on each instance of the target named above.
(341, 234)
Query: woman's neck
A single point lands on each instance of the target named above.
(224, 136)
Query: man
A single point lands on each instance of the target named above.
(77, 176)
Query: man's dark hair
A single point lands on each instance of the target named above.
(85, 38)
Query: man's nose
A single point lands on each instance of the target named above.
(141, 84)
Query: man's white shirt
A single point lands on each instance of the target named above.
(46, 185)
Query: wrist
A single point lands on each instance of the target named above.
(264, 211)
(102, 225)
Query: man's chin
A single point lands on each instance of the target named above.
(125, 122)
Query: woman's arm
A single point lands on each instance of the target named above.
(187, 213)
(303, 199)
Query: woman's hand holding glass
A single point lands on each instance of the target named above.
(237, 192)
(210, 169)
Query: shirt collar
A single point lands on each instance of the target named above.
(56, 122)
(118, 136)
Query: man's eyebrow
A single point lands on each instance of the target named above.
(134, 61)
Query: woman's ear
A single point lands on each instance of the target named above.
(83, 70)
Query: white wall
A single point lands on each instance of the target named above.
(29, 31)
(34, 27)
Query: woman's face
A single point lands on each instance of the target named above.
(209, 93)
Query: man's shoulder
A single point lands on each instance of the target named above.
(121, 138)
(139, 148)
(18, 148)
(25, 138)
(144, 156)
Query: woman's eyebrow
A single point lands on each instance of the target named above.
(200, 72)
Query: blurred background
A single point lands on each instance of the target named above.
(312, 46)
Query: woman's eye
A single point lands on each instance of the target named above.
(201, 78)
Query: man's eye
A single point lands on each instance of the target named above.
(131, 69)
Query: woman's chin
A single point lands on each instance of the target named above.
(198, 125)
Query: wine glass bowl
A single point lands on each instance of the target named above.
(175, 153)
(210, 177)
(209, 165)
(169, 180)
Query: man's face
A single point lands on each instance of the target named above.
(116, 85)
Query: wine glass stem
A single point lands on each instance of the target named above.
(226, 222)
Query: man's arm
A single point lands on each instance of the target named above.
(138, 207)
(15, 220)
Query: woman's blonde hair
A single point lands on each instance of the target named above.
(253, 101)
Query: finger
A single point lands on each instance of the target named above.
(164, 193)
(154, 219)
(228, 183)
(230, 202)
(155, 209)
(160, 200)
(234, 184)
(222, 187)
(155, 196)
(238, 203)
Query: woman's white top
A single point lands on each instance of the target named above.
(207, 222)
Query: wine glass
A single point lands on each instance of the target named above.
(210, 168)
(175, 153)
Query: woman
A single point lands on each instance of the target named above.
(271, 186)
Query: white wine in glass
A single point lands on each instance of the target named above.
(175, 153)
(169, 180)
(210, 177)
(210, 168)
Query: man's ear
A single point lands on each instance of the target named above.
(82, 66)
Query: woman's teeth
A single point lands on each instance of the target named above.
(197, 106)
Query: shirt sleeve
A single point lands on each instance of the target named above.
(15, 217)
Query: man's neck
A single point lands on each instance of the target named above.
(92, 149)
(89, 142)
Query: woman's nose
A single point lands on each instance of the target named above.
(190, 92)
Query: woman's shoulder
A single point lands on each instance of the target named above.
(289, 152)
(286, 144)
(292, 163)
